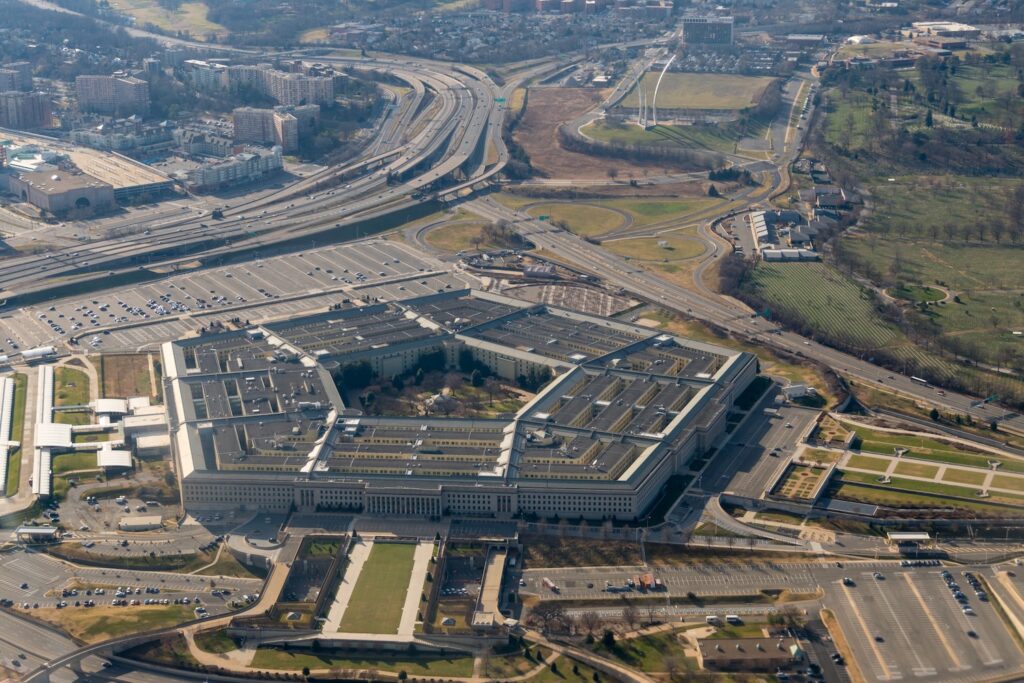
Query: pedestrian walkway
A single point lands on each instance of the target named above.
(420, 566)
(356, 559)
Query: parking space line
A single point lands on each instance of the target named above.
(889, 674)
(922, 669)
(953, 656)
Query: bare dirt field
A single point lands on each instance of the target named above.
(125, 375)
(546, 108)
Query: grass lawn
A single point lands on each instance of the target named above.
(216, 641)
(917, 293)
(965, 477)
(189, 16)
(124, 375)
(323, 548)
(583, 219)
(824, 298)
(717, 138)
(457, 237)
(106, 621)
(17, 433)
(674, 246)
(272, 658)
(70, 387)
(94, 437)
(913, 469)
(934, 489)
(379, 593)
(934, 450)
(649, 212)
(65, 417)
(1005, 482)
(820, 455)
(70, 462)
(646, 653)
(227, 565)
(700, 91)
(511, 200)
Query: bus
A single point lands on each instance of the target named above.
(920, 380)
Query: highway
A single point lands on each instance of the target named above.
(451, 133)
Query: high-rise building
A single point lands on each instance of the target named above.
(266, 126)
(25, 110)
(207, 76)
(286, 88)
(116, 94)
(707, 30)
(24, 71)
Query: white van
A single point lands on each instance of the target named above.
(733, 619)
(713, 620)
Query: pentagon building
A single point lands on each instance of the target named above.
(257, 422)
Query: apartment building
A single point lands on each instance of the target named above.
(25, 110)
(266, 126)
(117, 94)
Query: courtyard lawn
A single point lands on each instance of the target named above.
(379, 593)
(70, 387)
(866, 462)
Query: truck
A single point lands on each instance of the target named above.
(550, 585)
(659, 585)
(646, 582)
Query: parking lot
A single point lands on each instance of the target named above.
(45, 577)
(704, 580)
(281, 286)
(909, 625)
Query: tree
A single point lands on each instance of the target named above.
(713, 191)
(402, 675)
(548, 615)
(612, 172)
(672, 666)
(591, 621)
(608, 639)
(934, 414)
(928, 120)
(631, 615)
(305, 671)
(476, 378)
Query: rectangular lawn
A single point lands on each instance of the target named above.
(379, 593)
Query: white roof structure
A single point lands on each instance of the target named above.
(111, 406)
(52, 435)
(108, 457)
(136, 403)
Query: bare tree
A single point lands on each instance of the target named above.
(548, 615)
(612, 172)
(591, 621)
(631, 615)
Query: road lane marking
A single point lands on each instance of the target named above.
(958, 664)
(888, 673)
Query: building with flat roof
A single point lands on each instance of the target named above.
(117, 94)
(257, 421)
(62, 192)
(707, 30)
(748, 654)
